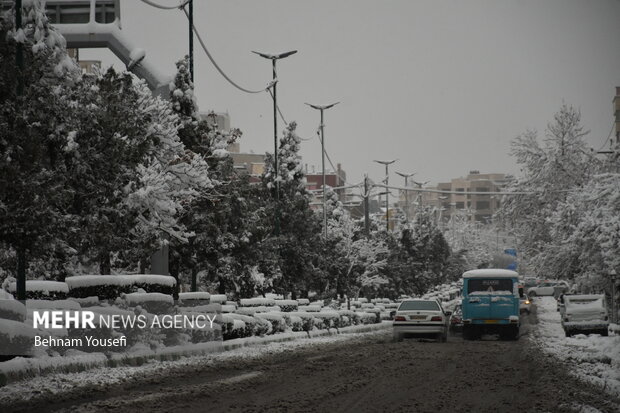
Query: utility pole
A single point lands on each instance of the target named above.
(406, 176)
(366, 206)
(387, 191)
(273, 59)
(322, 126)
(190, 17)
(19, 60)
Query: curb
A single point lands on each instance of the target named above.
(21, 369)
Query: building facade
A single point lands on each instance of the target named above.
(467, 195)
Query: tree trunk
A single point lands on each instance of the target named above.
(104, 264)
(143, 264)
(221, 289)
(21, 274)
(174, 271)
(194, 279)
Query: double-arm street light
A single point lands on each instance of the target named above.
(406, 176)
(387, 195)
(274, 58)
(321, 108)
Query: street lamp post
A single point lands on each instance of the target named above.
(321, 108)
(613, 296)
(406, 176)
(387, 194)
(273, 59)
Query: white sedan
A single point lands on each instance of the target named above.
(417, 317)
(549, 288)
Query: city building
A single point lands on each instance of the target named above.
(87, 66)
(480, 207)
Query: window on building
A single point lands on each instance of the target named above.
(483, 205)
(460, 205)
(482, 189)
(460, 189)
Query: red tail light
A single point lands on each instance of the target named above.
(437, 318)
(399, 318)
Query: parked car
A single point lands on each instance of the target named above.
(491, 303)
(456, 319)
(585, 313)
(553, 287)
(525, 305)
(529, 282)
(418, 317)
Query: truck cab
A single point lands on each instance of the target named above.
(490, 303)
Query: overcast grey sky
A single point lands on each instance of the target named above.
(441, 85)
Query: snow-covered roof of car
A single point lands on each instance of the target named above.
(583, 296)
(490, 272)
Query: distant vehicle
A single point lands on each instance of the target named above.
(456, 319)
(549, 288)
(490, 303)
(418, 317)
(525, 305)
(585, 313)
(529, 282)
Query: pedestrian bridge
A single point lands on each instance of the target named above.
(97, 23)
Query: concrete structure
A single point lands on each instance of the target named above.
(87, 66)
(480, 207)
(97, 23)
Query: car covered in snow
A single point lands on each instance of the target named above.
(549, 287)
(585, 313)
(420, 317)
(491, 303)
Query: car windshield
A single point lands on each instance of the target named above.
(489, 285)
(419, 305)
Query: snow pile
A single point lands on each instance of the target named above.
(591, 357)
(311, 308)
(109, 287)
(12, 310)
(218, 298)
(39, 289)
(155, 303)
(256, 302)
(16, 337)
(52, 305)
(196, 295)
(287, 305)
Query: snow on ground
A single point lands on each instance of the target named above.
(102, 377)
(593, 357)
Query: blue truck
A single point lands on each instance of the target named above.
(490, 304)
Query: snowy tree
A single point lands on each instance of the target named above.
(34, 196)
(470, 240)
(587, 229)
(549, 170)
(300, 228)
(182, 95)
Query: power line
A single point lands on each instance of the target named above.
(437, 191)
(204, 47)
(608, 137)
(159, 6)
